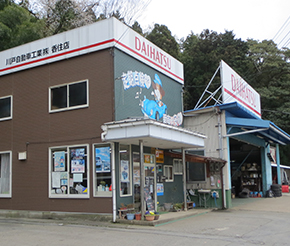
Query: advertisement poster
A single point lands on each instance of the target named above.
(136, 175)
(77, 160)
(77, 166)
(160, 189)
(103, 159)
(124, 171)
(159, 156)
(59, 161)
(55, 179)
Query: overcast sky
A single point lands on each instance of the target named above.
(257, 19)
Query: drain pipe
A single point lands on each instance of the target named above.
(224, 202)
(223, 187)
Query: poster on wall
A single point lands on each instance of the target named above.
(59, 161)
(77, 160)
(136, 176)
(160, 189)
(159, 156)
(55, 179)
(77, 166)
(103, 159)
(125, 171)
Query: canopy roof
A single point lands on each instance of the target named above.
(239, 117)
(153, 134)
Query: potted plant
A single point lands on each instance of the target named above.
(130, 216)
(156, 215)
(123, 207)
(138, 215)
(149, 216)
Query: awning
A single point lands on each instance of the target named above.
(241, 121)
(238, 116)
(153, 134)
(196, 158)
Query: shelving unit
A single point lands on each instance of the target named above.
(252, 180)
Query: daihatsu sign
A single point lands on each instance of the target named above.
(98, 36)
(236, 89)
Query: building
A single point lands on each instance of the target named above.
(86, 117)
(236, 133)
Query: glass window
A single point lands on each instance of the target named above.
(5, 174)
(59, 97)
(6, 108)
(168, 173)
(78, 94)
(177, 165)
(69, 96)
(69, 171)
(125, 170)
(196, 172)
(103, 170)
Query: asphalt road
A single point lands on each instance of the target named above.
(248, 224)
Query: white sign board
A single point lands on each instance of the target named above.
(100, 35)
(236, 89)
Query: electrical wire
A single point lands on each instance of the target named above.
(277, 34)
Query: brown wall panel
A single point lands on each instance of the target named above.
(34, 129)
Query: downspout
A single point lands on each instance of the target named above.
(223, 188)
(114, 182)
(220, 138)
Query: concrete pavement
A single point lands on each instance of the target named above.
(279, 204)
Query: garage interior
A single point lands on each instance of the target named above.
(246, 170)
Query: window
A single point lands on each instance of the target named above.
(196, 172)
(177, 166)
(6, 108)
(5, 174)
(103, 170)
(69, 96)
(168, 173)
(125, 170)
(69, 172)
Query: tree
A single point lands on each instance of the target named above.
(18, 26)
(270, 71)
(161, 36)
(201, 55)
(127, 11)
(137, 28)
(5, 3)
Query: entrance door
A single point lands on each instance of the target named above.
(149, 180)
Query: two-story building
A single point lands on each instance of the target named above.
(88, 116)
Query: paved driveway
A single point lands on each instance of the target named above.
(255, 221)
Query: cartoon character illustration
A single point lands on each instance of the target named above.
(158, 92)
(154, 109)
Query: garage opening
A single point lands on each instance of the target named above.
(246, 169)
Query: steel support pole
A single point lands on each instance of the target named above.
(142, 179)
(184, 179)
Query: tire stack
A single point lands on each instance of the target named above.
(277, 190)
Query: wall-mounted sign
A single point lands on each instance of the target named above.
(100, 35)
(236, 89)
(159, 154)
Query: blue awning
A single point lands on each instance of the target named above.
(238, 117)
